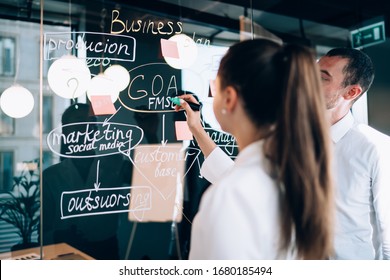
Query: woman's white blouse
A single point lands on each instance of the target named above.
(239, 213)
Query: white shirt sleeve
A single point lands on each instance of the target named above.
(215, 165)
(381, 196)
(238, 218)
(225, 231)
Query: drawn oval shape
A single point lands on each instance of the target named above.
(94, 139)
(150, 87)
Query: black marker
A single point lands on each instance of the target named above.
(194, 106)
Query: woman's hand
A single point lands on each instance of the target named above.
(204, 141)
(193, 117)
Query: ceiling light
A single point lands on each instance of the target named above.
(17, 101)
(103, 85)
(119, 75)
(187, 52)
(69, 77)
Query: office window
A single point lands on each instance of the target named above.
(47, 159)
(47, 62)
(7, 56)
(7, 124)
(47, 113)
(6, 170)
(50, 55)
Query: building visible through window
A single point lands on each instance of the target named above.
(7, 56)
(47, 113)
(7, 124)
(6, 170)
(47, 159)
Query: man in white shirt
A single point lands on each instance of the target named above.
(362, 160)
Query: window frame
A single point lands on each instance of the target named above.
(12, 73)
(2, 177)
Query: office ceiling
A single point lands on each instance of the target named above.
(319, 22)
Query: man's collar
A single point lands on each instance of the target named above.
(339, 129)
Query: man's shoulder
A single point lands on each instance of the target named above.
(56, 166)
(369, 134)
(364, 139)
(56, 171)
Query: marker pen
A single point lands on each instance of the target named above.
(194, 106)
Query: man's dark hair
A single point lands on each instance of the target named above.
(359, 69)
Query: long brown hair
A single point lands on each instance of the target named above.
(280, 87)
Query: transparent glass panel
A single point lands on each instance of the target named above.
(120, 173)
(7, 124)
(125, 181)
(19, 135)
(7, 56)
(47, 113)
(6, 170)
(85, 102)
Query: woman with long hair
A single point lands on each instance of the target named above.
(275, 201)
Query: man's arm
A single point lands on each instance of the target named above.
(381, 195)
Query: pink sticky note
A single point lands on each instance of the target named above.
(212, 88)
(169, 49)
(182, 131)
(102, 105)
